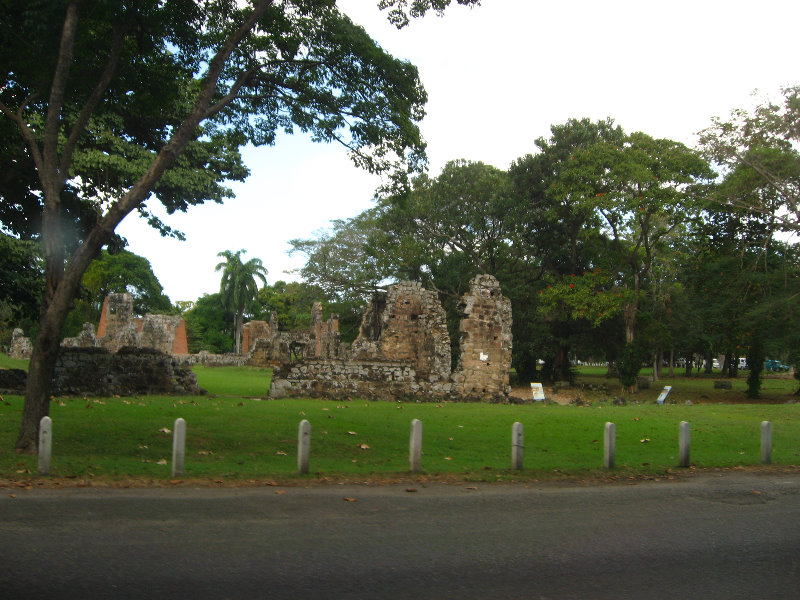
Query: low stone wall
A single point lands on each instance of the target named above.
(97, 372)
(128, 372)
(213, 360)
(371, 380)
(12, 381)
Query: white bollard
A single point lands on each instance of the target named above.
(517, 445)
(415, 446)
(610, 446)
(178, 447)
(303, 446)
(685, 442)
(45, 445)
(766, 442)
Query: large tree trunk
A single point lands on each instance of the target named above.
(45, 353)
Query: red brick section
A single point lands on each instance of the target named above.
(101, 328)
(181, 344)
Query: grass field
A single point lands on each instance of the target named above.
(237, 435)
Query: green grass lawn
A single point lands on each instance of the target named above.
(237, 435)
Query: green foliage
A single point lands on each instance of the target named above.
(20, 285)
(755, 361)
(629, 363)
(117, 273)
(209, 326)
(589, 296)
(759, 154)
(238, 288)
(402, 11)
(348, 261)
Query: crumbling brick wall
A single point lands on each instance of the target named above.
(118, 328)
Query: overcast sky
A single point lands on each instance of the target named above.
(497, 76)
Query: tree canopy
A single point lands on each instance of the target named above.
(114, 102)
(238, 288)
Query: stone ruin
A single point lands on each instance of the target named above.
(128, 355)
(97, 372)
(403, 351)
(118, 328)
(265, 346)
(20, 345)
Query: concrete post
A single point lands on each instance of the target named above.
(178, 447)
(415, 446)
(303, 446)
(766, 442)
(685, 442)
(45, 445)
(517, 445)
(610, 446)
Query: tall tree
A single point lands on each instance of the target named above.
(643, 190)
(134, 90)
(758, 150)
(238, 288)
(116, 273)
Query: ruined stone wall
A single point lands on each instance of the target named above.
(323, 335)
(379, 380)
(486, 340)
(255, 330)
(406, 324)
(207, 359)
(118, 328)
(85, 339)
(403, 351)
(21, 346)
(132, 371)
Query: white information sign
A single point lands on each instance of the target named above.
(538, 391)
(663, 395)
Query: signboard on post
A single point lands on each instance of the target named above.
(663, 395)
(538, 391)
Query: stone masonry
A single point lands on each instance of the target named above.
(118, 328)
(98, 372)
(486, 341)
(406, 324)
(265, 346)
(20, 345)
(403, 351)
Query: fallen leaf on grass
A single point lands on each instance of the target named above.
(363, 446)
(448, 458)
(163, 461)
(164, 430)
(281, 453)
(411, 489)
(280, 492)
(346, 499)
(12, 495)
(351, 433)
(644, 440)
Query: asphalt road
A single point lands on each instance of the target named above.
(712, 536)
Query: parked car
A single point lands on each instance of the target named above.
(775, 365)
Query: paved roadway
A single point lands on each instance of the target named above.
(712, 536)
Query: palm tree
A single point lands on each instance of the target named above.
(239, 287)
